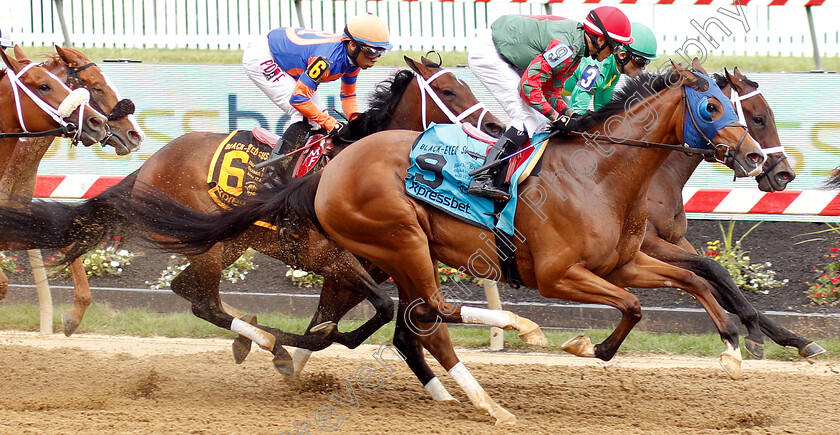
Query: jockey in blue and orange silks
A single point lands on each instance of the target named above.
(289, 63)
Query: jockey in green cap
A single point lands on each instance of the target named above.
(596, 81)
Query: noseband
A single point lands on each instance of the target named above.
(425, 87)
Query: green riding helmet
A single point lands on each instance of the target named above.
(644, 41)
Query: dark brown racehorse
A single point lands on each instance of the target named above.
(581, 242)
(666, 227)
(20, 162)
(180, 169)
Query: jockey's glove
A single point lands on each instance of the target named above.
(340, 131)
(568, 123)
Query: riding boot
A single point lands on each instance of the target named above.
(487, 183)
(291, 140)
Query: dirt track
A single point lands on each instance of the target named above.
(95, 384)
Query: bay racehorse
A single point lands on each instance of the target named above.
(579, 242)
(410, 101)
(20, 161)
(667, 224)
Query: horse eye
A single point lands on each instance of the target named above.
(711, 108)
(758, 120)
(448, 93)
(44, 87)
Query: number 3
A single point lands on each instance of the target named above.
(587, 78)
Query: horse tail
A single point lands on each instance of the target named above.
(49, 224)
(833, 181)
(191, 232)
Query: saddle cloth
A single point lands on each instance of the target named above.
(231, 178)
(441, 160)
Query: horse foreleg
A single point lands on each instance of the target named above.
(579, 284)
(72, 318)
(724, 289)
(644, 271)
(409, 344)
(241, 346)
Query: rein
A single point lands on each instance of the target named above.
(425, 87)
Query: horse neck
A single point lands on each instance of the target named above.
(638, 165)
(678, 168)
(408, 114)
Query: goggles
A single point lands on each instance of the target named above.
(373, 52)
(640, 61)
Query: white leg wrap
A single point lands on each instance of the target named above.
(299, 358)
(482, 316)
(437, 390)
(262, 338)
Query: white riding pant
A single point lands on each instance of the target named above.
(502, 81)
(272, 80)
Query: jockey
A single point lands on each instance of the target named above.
(524, 61)
(289, 63)
(595, 81)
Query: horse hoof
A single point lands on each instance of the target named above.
(754, 348)
(241, 348)
(68, 324)
(731, 365)
(534, 337)
(324, 330)
(579, 345)
(504, 417)
(811, 350)
(283, 361)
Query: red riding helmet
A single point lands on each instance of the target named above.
(609, 22)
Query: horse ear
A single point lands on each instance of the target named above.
(10, 61)
(733, 81)
(20, 55)
(413, 64)
(65, 56)
(697, 66)
(684, 73)
(738, 74)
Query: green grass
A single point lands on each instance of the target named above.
(101, 319)
(450, 59)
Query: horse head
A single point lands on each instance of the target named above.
(710, 121)
(124, 134)
(757, 115)
(444, 98)
(42, 102)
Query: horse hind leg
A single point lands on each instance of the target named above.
(241, 346)
(72, 318)
(786, 337)
(199, 284)
(409, 343)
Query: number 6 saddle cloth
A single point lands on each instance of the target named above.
(232, 177)
(441, 160)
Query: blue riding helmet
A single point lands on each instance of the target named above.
(697, 102)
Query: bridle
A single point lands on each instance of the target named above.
(58, 115)
(722, 153)
(426, 88)
(736, 99)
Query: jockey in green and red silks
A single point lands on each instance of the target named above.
(523, 61)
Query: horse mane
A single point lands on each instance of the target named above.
(635, 89)
(52, 59)
(386, 95)
(833, 181)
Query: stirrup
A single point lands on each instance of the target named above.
(482, 185)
